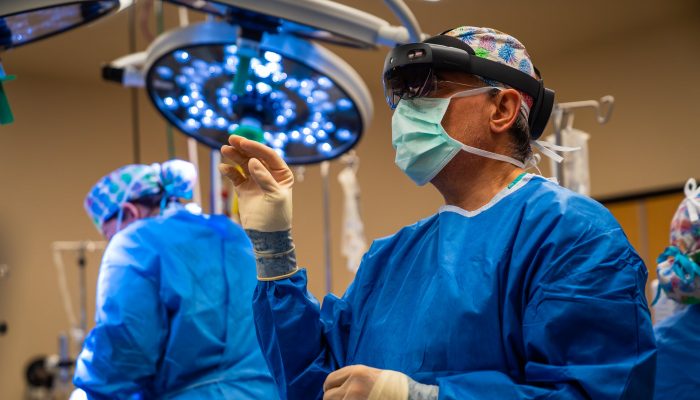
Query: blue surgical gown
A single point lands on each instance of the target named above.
(174, 317)
(537, 295)
(678, 369)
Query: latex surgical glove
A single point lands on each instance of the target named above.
(263, 182)
(359, 382)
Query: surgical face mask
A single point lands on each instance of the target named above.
(422, 145)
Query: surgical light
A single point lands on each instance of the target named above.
(26, 21)
(295, 96)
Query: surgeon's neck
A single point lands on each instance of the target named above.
(470, 182)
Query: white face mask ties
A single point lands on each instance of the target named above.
(548, 149)
(692, 199)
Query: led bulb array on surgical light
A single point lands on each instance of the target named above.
(255, 69)
(302, 112)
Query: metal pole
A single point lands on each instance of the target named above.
(193, 156)
(325, 166)
(559, 140)
(215, 201)
(135, 128)
(4, 271)
(82, 289)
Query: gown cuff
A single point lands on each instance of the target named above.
(419, 391)
(275, 256)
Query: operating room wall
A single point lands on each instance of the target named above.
(70, 130)
(652, 138)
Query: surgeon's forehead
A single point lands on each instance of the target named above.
(459, 77)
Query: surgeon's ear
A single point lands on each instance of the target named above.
(131, 213)
(505, 112)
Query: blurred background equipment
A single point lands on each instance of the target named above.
(77, 327)
(26, 21)
(50, 377)
(4, 273)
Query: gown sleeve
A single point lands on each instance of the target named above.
(678, 360)
(586, 327)
(301, 341)
(120, 355)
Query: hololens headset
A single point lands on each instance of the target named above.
(410, 71)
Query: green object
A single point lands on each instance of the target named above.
(6, 116)
(516, 180)
(249, 132)
(242, 74)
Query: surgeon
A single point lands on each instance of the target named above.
(174, 319)
(515, 289)
(678, 336)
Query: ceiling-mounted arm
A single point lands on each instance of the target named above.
(390, 35)
(407, 18)
(127, 70)
(314, 19)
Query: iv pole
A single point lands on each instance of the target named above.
(325, 167)
(564, 111)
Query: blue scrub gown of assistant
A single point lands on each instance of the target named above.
(537, 295)
(678, 369)
(174, 317)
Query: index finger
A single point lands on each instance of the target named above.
(260, 151)
(234, 154)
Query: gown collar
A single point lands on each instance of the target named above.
(519, 182)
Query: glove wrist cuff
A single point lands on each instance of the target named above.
(419, 391)
(275, 257)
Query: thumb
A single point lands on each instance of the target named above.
(262, 176)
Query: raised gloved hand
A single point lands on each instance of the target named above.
(263, 182)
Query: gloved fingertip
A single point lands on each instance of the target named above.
(255, 164)
(225, 169)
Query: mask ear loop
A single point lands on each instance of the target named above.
(692, 199)
(120, 215)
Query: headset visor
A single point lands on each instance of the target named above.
(407, 82)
